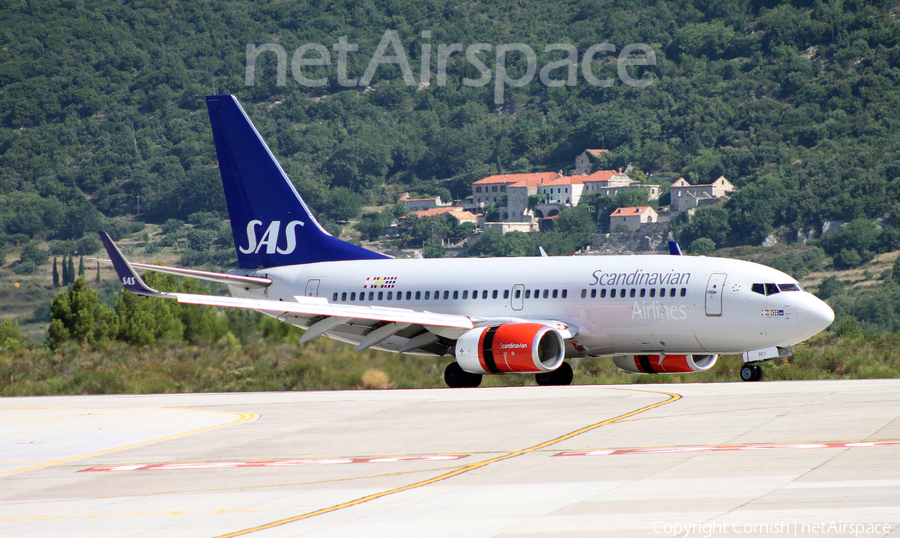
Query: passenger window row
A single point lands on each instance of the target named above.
(445, 295)
(635, 292)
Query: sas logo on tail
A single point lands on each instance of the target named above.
(270, 237)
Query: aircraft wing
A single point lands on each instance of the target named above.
(315, 312)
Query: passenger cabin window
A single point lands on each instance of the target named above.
(455, 294)
(584, 293)
(484, 294)
(334, 297)
(446, 295)
(528, 294)
(518, 294)
(380, 295)
(494, 295)
(594, 293)
(465, 294)
(602, 293)
(506, 294)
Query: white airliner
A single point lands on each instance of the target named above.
(650, 314)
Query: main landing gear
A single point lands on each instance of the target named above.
(561, 376)
(751, 372)
(457, 378)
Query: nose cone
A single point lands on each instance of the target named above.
(813, 315)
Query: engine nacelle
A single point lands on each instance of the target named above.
(520, 348)
(665, 364)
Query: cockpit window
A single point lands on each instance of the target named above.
(771, 289)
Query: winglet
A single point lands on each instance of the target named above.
(129, 278)
(674, 249)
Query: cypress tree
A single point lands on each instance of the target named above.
(81, 266)
(55, 274)
(65, 272)
(98, 272)
(71, 269)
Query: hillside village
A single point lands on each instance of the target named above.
(530, 202)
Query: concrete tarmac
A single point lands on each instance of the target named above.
(814, 458)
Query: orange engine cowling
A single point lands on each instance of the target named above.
(521, 348)
(665, 364)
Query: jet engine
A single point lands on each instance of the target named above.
(520, 348)
(665, 364)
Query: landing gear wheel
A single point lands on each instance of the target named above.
(561, 376)
(456, 377)
(751, 372)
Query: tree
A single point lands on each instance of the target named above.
(77, 315)
(81, 266)
(66, 279)
(147, 320)
(344, 204)
(702, 246)
(71, 269)
(11, 338)
(55, 274)
(709, 222)
(433, 249)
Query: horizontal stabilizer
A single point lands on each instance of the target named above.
(207, 276)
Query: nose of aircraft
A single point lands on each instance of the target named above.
(813, 315)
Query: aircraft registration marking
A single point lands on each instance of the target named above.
(729, 448)
(274, 463)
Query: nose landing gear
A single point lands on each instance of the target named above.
(751, 372)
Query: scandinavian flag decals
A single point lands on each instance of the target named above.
(380, 282)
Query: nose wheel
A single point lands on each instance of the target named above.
(751, 372)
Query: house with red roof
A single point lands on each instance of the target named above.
(632, 217)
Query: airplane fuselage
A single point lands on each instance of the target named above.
(615, 304)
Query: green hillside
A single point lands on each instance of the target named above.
(102, 104)
(103, 121)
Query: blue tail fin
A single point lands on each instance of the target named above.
(270, 222)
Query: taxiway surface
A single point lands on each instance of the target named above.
(741, 459)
